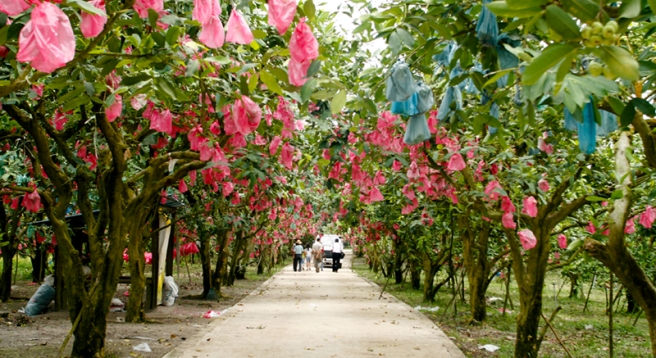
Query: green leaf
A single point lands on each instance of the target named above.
(595, 198)
(129, 81)
(616, 104)
(644, 106)
(394, 42)
(86, 7)
(561, 23)
(172, 35)
(619, 61)
(549, 58)
(76, 102)
(525, 4)
(405, 37)
(309, 9)
(153, 16)
(88, 86)
(617, 194)
(574, 245)
(585, 10)
(627, 114)
(307, 89)
(370, 106)
(497, 76)
(314, 68)
(271, 82)
(630, 8)
(652, 5)
(501, 8)
(338, 102)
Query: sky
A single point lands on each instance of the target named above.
(346, 22)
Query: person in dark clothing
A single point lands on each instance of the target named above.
(338, 249)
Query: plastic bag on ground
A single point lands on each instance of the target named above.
(169, 291)
(143, 347)
(489, 347)
(40, 300)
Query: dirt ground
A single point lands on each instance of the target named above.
(167, 327)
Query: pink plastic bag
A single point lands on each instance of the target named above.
(13, 7)
(47, 40)
(303, 46)
(142, 6)
(92, 24)
(212, 34)
(114, 111)
(281, 14)
(237, 29)
(32, 201)
(298, 71)
(246, 115)
(205, 10)
(211, 314)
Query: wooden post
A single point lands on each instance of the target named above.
(169, 250)
(610, 316)
(152, 288)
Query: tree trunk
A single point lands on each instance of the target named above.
(574, 288)
(415, 277)
(475, 245)
(398, 261)
(7, 268)
(528, 320)
(39, 263)
(206, 264)
(135, 309)
(430, 269)
(220, 268)
(615, 254)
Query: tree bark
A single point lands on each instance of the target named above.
(206, 263)
(475, 248)
(615, 254)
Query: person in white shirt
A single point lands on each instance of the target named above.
(338, 251)
(298, 253)
(308, 257)
(317, 254)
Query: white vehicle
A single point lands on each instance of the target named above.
(328, 241)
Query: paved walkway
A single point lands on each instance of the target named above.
(326, 314)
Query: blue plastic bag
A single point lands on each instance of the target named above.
(406, 108)
(40, 300)
(571, 124)
(425, 99)
(443, 57)
(608, 123)
(588, 130)
(416, 131)
(487, 29)
(506, 58)
(494, 112)
(400, 84)
(452, 95)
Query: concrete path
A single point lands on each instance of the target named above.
(326, 314)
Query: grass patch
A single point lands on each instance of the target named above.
(584, 334)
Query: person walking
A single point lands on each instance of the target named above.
(317, 254)
(308, 257)
(338, 251)
(298, 259)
